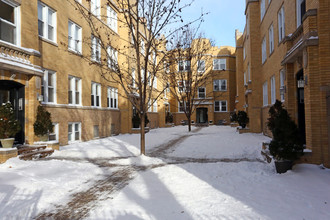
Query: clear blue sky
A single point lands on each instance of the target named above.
(225, 16)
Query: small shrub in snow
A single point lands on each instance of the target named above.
(9, 126)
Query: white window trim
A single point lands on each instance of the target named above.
(112, 58)
(272, 90)
(264, 50)
(112, 93)
(298, 14)
(155, 82)
(262, 9)
(46, 86)
(281, 24)
(184, 106)
(219, 85)
(217, 64)
(265, 93)
(17, 21)
(220, 105)
(96, 87)
(143, 49)
(73, 132)
(55, 131)
(199, 92)
(155, 106)
(201, 63)
(96, 8)
(133, 78)
(185, 64)
(96, 47)
(74, 37)
(112, 18)
(249, 73)
(45, 11)
(271, 39)
(73, 80)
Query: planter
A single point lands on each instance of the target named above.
(7, 143)
(283, 166)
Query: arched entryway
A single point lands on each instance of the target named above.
(14, 92)
(201, 115)
(301, 104)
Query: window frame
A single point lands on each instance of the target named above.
(73, 85)
(77, 40)
(201, 66)
(45, 86)
(55, 132)
(96, 97)
(265, 93)
(272, 90)
(218, 62)
(112, 93)
(95, 49)
(73, 132)
(16, 24)
(262, 9)
(219, 85)
(112, 58)
(271, 38)
(112, 19)
(96, 7)
(44, 19)
(263, 50)
(220, 106)
(198, 92)
(184, 65)
(281, 24)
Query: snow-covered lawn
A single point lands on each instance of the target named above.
(223, 190)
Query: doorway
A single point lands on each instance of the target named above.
(201, 115)
(14, 93)
(301, 105)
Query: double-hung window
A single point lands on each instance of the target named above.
(96, 7)
(220, 106)
(282, 87)
(281, 24)
(154, 58)
(112, 100)
(272, 90)
(53, 136)
(96, 95)
(301, 10)
(244, 52)
(184, 65)
(265, 93)
(46, 22)
(184, 86)
(48, 86)
(220, 85)
(154, 84)
(74, 131)
(143, 49)
(10, 22)
(154, 106)
(262, 9)
(263, 50)
(201, 66)
(112, 18)
(271, 38)
(112, 58)
(74, 91)
(96, 49)
(201, 93)
(74, 35)
(182, 106)
(219, 64)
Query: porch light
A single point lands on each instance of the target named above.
(301, 83)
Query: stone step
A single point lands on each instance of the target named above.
(36, 154)
(28, 149)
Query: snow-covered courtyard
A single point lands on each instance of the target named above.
(211, 173)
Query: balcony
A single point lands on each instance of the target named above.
(18, 59)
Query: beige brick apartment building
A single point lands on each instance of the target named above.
(284, 54)
(42, 50)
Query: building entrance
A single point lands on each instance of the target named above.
(201, 115)
(301, 104)
(14, 93)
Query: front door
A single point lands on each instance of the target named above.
(14, 93)
(301, 107)
(201, 115)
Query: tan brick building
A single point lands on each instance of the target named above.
(284, 54)
(42, 49)
(214, 98)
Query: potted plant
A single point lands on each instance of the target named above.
(43, 124)
(9, 126)
(286, 145)
(242, 118)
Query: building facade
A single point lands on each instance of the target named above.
(284, 54)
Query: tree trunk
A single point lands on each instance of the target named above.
(189, 123)
(142, 136)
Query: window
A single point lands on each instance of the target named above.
(262, 9)
(184, 65)
(48, 86)
(112, 18)
(265, 94)
(46, 22)
(272, 90)
(143, 49)
(245, 82)
(96, 95)
(96, 131)
(201, 65)
(219, 64)
(154, 106)
(201, 92)
(112, 58)
(154, 58)
(244, 52)
(9, 22)
(248, 73)
(184, 86)
(263, 50)
(182, 106)
(281, 24)
(155, 82)
(220, 106)
(282, 87)
(74, 131)
(74, 34)
(271, 38)
(112, 100)
(133, 78)
(74, 91)
(96, 7)
(54, 135)
(220, 85)
(149, 106)
(142, 75)
(301, 10)
(96, 49)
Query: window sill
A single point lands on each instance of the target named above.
(48, 41)
(78, 53)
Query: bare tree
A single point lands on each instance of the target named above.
(143, 30)
(191, 70)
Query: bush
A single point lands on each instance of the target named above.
(233, 117)
(43, 124)
(286, 143)
(242, 118)
(9, 126)
(169, 117)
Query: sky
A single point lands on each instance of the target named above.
(224, 17)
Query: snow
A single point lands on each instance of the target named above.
(186, 190)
